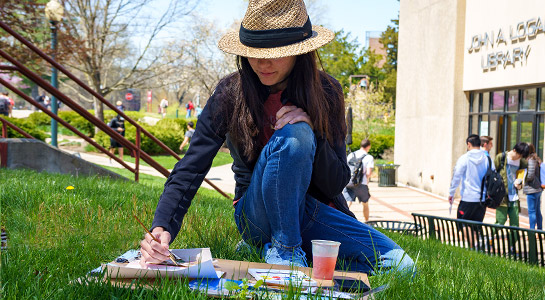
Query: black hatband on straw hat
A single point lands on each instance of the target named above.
(272, 38)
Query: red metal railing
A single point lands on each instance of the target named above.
(137, 152)
(6, 124)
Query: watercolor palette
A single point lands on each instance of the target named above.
(282, 277)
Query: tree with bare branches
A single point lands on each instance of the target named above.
(107, 54)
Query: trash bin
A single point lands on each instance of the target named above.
(387, 174)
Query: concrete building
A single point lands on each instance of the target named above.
(466, 66)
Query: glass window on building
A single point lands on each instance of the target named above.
(540, 133)
(526, 128)
(498, 100)
(542, 101)
(512, 100)
(486, 102)
(509, 116)
(475, 124)
(496, 132)
(529, 99)
(511, 131)
(483, 126)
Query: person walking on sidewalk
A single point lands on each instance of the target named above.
(469, 171)
(508, 164)
(117, 124)
(283, 120)
(361, 191)
(189, 108)
(188, 135)
(163, 107)
(532, 189)
(4, 104)
(486, 144)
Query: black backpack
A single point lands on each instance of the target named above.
(4, 105)
(356, 176)
(495, 189)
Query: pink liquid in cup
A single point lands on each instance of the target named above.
(323, 267)
(324, 255)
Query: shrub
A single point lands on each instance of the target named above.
(169, 131)
(39, 118)
(79, 122)
(26, 126)
(110, 114)
(379, 143)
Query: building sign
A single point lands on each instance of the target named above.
(504, 44)
(503, 49)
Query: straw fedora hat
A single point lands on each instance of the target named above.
(274, 29)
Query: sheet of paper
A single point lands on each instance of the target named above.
(199, 265)
(282, 277)
(216, 287)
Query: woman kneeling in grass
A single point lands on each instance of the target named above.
(283, 120)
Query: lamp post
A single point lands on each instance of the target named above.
(54, 13)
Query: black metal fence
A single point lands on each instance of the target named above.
(512, 242)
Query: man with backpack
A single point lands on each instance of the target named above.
(470, 170)
(508, 165)
(361, 165)
(117, 124)
(4, 104)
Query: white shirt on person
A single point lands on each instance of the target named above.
(469, 171)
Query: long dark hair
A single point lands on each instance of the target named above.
(308, 88)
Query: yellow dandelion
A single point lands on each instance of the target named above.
(69, 187)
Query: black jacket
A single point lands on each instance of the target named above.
(329, 176)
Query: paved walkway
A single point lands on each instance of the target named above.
(387, 203)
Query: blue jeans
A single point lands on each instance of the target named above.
(277, 209)
(534, 210)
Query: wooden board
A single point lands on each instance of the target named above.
(239, 269)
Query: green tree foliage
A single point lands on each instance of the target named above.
(389, 39)
(340, 58)
(370, 67)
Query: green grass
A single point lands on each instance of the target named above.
(377, 126)
(60, 129)
(169, 161)
(144, 179)
(58, 235)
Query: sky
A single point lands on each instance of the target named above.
(354, 16)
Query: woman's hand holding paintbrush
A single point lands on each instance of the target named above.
(154, 246)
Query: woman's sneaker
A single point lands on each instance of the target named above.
(281, 256)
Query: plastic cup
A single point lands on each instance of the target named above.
(324, 257)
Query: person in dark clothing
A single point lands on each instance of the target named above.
(283, 121)
(117, 124)
(4, 104)
(187, 137)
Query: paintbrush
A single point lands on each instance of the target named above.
(172, 257)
